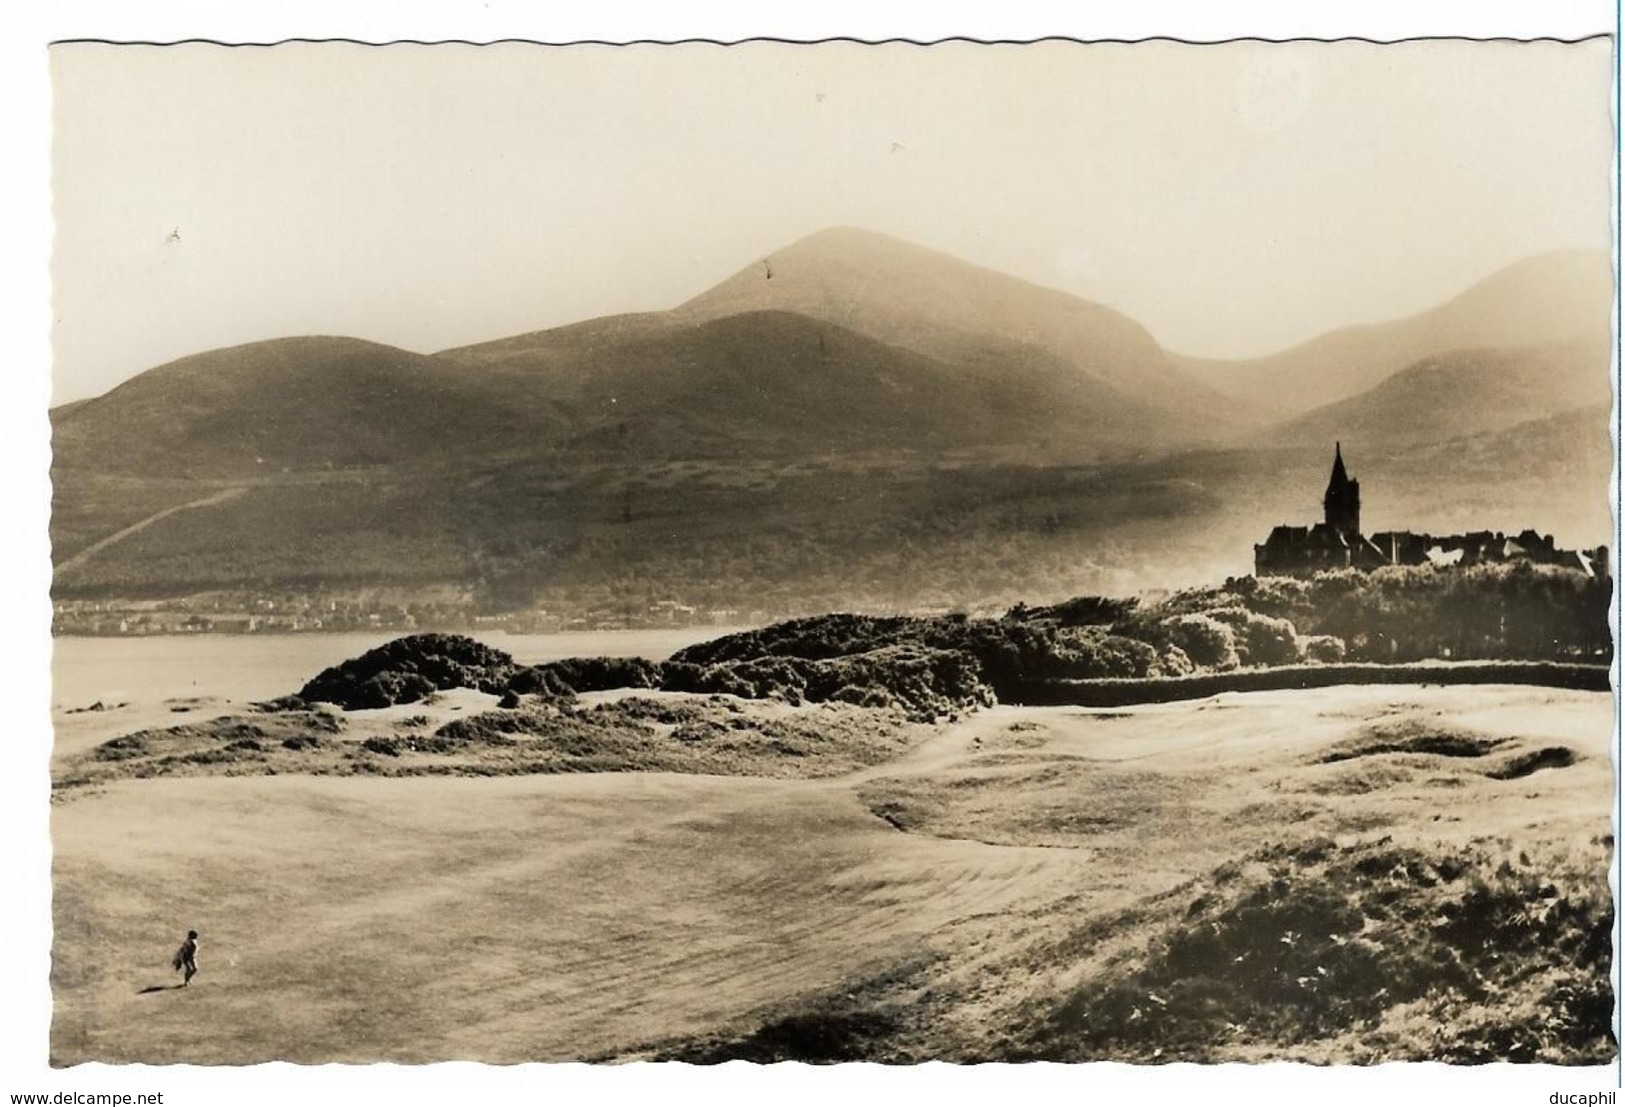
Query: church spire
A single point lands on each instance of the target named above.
(1343, 499)
(1340, 475)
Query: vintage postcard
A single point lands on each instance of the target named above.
(1074, 551)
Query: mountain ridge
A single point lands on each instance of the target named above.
(1556, 296)
(917, 444)
(1461, 392)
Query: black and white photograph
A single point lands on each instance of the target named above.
(1075, 550)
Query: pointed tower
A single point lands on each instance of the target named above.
(1343, 500)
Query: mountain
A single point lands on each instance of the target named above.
(1460, 393)
(292, 403)
(778, 383)
(958, 313)
(873, 424)
(856, 341)
(1556, 297)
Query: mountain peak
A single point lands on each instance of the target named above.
(843, 238)
(949, 309)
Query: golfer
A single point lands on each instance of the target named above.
(186, 957)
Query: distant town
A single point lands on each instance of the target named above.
(296, 613)
(1338, 542)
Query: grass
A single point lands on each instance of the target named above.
(871, 1019)
(1412, 736)
(502, 920)
(713, 735)
(1377, 951)
(1044, 874)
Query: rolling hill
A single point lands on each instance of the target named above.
(1460, 393)
(311, 403)
(1556, 297)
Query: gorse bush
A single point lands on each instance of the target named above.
(939, 665)
(1260, 639)
(1322, 648)
(922, 681)
(1513, 611)
(1205, 641)
(408, 669)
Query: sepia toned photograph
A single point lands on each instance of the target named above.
(832, 552)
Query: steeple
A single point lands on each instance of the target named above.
(1340, 475)
(1343, 500)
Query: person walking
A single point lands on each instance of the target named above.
(186, 958)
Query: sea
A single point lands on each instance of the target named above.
(250, 667)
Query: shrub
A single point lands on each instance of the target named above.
(1205, 641)
(538, 680)
(867, 696)
(408, 669)
(1260, 639)
(1173, 662)
(1325, 649)
(1108, 655)
(927, 682)
(1081, 611)
(819, 637)
(587, 674)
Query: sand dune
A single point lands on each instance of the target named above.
(611, 915)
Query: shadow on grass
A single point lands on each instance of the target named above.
(147, 991)
(819, 1038)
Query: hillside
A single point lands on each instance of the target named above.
(1460, 393)
(776, 383)
(859, 342)
(314, 403)
(802, 535)
(948, 309)
(1551, 298)
(956, 437)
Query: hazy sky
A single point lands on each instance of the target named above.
(1235, 199)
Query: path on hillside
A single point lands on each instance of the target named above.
(95, 548)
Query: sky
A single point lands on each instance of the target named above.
(1235, 199)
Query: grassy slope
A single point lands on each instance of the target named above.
(291, 404)
(1460, 393)
(502, 920)
(633, 914)
(868, 532)
(923, 300)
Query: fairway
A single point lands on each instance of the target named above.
(558, 917)
(539, 918)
